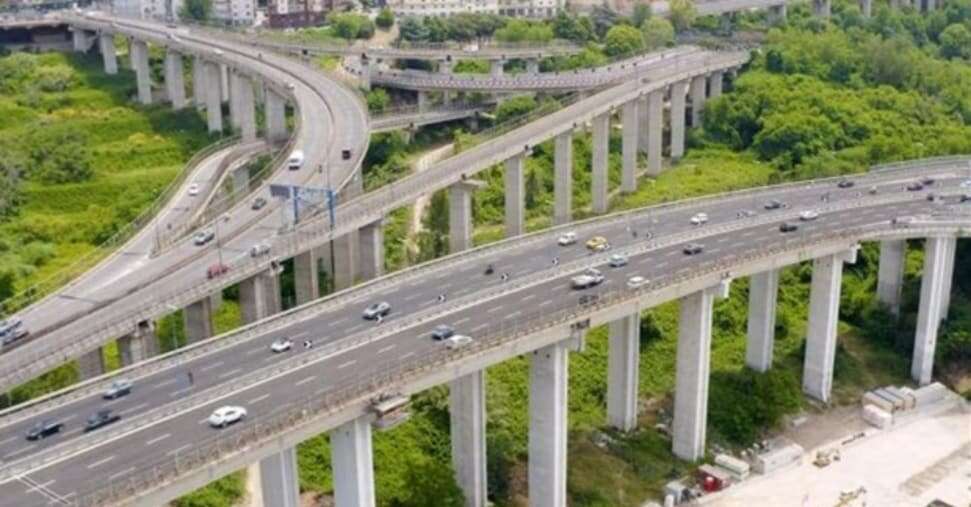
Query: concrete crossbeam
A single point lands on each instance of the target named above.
(938, 252)
(563, 178)
(698, 96)
(548, 380)
(197, 319)
(468, 432)
(515, 195)
(693, 367)
(352, 463)
(276, 120)
(629, 120)
(174, 81)
(601, 147)
(279, 479)
(138, 51)
(259, 296)
(214, 109)
(890, 275)
(655, 117)
(622, 372)
(371, 239)
(762, 295)
(824, 304)
(91, 364)
(679, 91)
(109, 55)
(306, 276)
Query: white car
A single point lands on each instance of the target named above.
(194, 189)
(699, 219)
(567, 238)
(636, 281)
(224, 416)
(259, 249)
(589, 278)
(809, 215)
(618, 260)
(457, 340)
(966, 184)
(281, 345)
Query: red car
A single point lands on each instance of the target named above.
(216, 270)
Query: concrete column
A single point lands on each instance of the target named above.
(242, 106)
(622, 367)
(866, 7)
(655, 115)
(199, 95)
(778, 14)
(496, 68)
(366, 74)
(931, 5)
(693, 365)
(276, 120)
(716, 84)
(214, 109)
(822, 8)
(948, 278)
(515, 196)
(468, 432)
(352, 463)
(460, 215)
(371, 239)
(422, 101)
(197, 319)
(240, 180)
(80, 40)
(138, 346)
(532, 65)
(447, 97)
(601, 146)
(762, 293)
(644, 124)
(109, 55)
(306, 276)
(890, 276)
(548, 410)
(628, 181)
(91, 364)
(139, 62)
(824, 304)
(259, 296)
(678, 92)
(563, 178)
(933, 283)
(279, 479)
(174, 82)
(345, 260)
(223, 82)
(698, 84)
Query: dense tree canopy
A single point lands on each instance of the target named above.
(197, 10)
(623, 40)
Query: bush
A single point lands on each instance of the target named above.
(350, 26)
(378, 100)
(741, 405)
(658, 33)
(385, 19)
(623, 40)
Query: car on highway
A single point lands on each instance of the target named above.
(927, 181)
(203, 237)
(16, 335)
(296, 160)
(745, 213)
(966, 184)
(589, 278)
(458, 341)
(44, 429)
(567, 239)
(808, 216)
(216, 270)
(636, 281)
(258, 203)
(100, 419)
(915, 186)
(226, 415)
(873, 190)
(117, 389)
(194, 189)
(699, 219)
(598, 244)
(774, 204)
(788, 227)
(693, 249)
(965, 197)
(281, 345)
(442, 332)
(845, 184)
(903, 221)
(345, 154)
(377, 310)
(259, 249)
(7, 326)
(617, 260)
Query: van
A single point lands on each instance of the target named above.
(296, 160)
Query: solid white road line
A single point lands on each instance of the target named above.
(158, 439)
(385, 349)
(304, 381)
(408, 355)
(345, 365)
(480, 326)
(100, 462)
(461, 321)
(230, 373)
(258, 399)
(208, 367)
(527, 298)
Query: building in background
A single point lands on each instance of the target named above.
(299, 13)
(520, 8)
(234, 12)
(147, 9)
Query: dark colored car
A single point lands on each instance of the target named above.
(915, 186)
(773, 204)
(787, 227)
(258, 203)
(693, 249)
(216, 270)
(346, 154)
(927, 181)
(966, 198)
(44, 429)
(442, 332)
(845, 184)
(100, 419)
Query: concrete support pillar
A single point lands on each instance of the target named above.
(197, 319)
(276, 119)
(678, 92)
(930, 6)
(548, 377)
(778, 14)
(948, 278)
(223, 82)
(109, 55)
(240, 180)
(866, 7)
(468, 432)
(515, 196)
(933, 283)
(822, 8)
(139, 62)
(446, 97)
(762, 293)
(199, 95)
(693, 365)
(628, 180)
(532, 65)
(91, 364)
(824, 304)
(716, 84)
(80, 40)
(137, 346)
(259, 296)
(214, 109)
(644, 124)
(345, 260)
(563, 178)
(698, 85)
(352, 463)
(422, 101)
(460, 215)
(655, 117)
(371, 239)
(890, 276)
(622, 367)
(306, 276)
(242, 106)
(366, 74)
(496, 68)
(174, 82)
(279, 479)
(601, 146)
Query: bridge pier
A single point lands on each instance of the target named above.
(716, 84)
(344, 260)
(778, 14)
(515, 195)
(563, 178)
(371, 238)
(109, 55)
(235, 118)
(422, 101)
(139, 63)
(460, 215)
(890, 276)
(496, 68)
(548, 381)
(693, 367)
(601, 146)
(259, 296)
(197, 319)
(628, 181)
(532, 65)
(242, 91)
(352, 462)
(279, 479)
(655, 115)
(214, 110)
(174, 82)
(698, 84)
(223, 82)
(199, 83)
(948, 278)
(139, 345)
(824, 304)
(822, 8)
(468, 436)
(276, 119)
(938, 253)
(366, 74)
(306, 276)
(644, 124)
(866, 7)
(91, 364)
(623, 359)
(763, 292)
(678, 92)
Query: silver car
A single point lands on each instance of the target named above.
(377, 310)
(118, 388)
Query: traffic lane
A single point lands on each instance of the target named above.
(344, 368)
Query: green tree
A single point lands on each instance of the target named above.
(515, 107)
(385, 18)
(60, 157)
(412, 29)
(573, 28)
(351, 26)
(683, 13)
(623, 40)
(197, 10)
(956, 42)
(658, 33)
(378, 100)
(11, 166)
(642, 12)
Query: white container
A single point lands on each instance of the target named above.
(877, 417)
(737, 468)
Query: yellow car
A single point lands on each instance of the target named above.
(598, 243)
